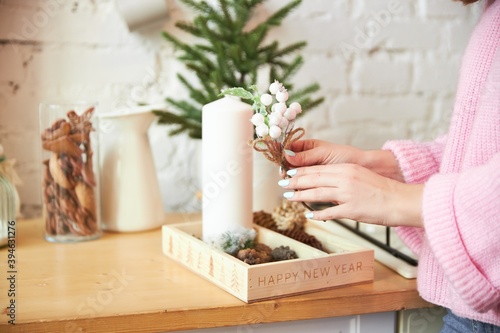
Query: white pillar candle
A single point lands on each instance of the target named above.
(227, 167)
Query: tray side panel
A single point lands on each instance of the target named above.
(299, 276)
(219, 268)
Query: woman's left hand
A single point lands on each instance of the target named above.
(358, 194)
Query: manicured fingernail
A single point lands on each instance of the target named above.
(309, 215)
(289, 152)
(292, 172)
(284, 182)
(288, 195)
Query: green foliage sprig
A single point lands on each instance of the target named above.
(234, 240)
(230, 55)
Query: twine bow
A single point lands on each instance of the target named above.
(273, 150)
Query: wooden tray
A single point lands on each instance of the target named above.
(342, 264)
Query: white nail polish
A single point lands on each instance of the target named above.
(284, 182)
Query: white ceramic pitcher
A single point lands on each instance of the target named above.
(130, 193)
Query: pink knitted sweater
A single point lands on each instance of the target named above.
(459, 246)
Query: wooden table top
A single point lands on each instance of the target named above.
(123, 282)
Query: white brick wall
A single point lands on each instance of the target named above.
(388, 69)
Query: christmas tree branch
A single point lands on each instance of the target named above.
(227, 54)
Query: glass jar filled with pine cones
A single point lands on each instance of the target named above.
(70, 171)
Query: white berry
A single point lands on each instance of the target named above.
(282, 96)
(275, 87)
(266, 99)
(275, 118)
(257, 119)
(296, 107)
(279, 107)
(290, 114)
(262, 130)
(275, 132)
(284, 123)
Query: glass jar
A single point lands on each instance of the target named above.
(7, 207)
(70, 171)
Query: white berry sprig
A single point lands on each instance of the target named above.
(273, 117)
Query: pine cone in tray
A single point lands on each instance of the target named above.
(303, 237)
(264, 220)
(289, 215)
(297, 232)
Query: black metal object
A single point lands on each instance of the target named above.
(386, 246)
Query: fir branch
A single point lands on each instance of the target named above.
(291, 68)
(253, 3)
(267, 52)
(228, 55)
(187, 109)
(293, 48)
(225, 10)
(257, 35)
(199, 6)
(225, 76)
(301, 93)
(278, 17)
(217, 18)
(310, 104)
(303, 96)
(210, 88)
(242, 14)
(194, 93)
(196, 56)
(200, 69)
(273, 74)
(181, 123)
(205, 48)
(189, 28)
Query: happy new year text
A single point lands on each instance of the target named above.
(309, 274)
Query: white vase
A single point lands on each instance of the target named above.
(130, 192)
(267, 194)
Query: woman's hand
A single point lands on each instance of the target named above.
(359, 194)
(316, 152)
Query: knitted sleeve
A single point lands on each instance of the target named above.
(418, 161)
(461, 217)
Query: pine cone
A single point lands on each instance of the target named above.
(266, 220)
(260, 254)
(303, 237)
(283, 253)
(289, 215)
